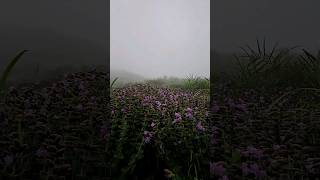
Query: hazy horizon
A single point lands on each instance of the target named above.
(160, 38)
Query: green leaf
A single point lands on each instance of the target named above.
(9, 68)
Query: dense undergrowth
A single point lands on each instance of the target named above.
(263, 124)
(276, 136)
(159, 128)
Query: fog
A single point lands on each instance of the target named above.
(160, 37)
(57, 33)
(149, 37)
(289, 22)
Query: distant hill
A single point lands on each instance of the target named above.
(49, 49)
(125, 77)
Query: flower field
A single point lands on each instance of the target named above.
(265, 134)
(62, 132)
(257, 126)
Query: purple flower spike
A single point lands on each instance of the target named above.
(253, 152)
(41, 152)
(189, 110)
(147, 137)
(178, 117)
(252, 169)
(215, 108)
(8, 160)
(153, 124)
(217, 169)
(245, 169)
(104, 132)
(242, 107)
(79, 107)
(200, 127)
(224, 178)
(207, 114)
(189, 115)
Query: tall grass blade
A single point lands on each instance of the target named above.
(264, 46)
(9, 68)
(114, 81)
(258, 44)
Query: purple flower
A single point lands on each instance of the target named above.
(162, 93)
(178, 117)
(252, 169)
(104, 131)
(215, 108)
(158, 103)
(171, 98)
(217, 169)
(147, 98)
(230, 102)
(147, 136)
(153, 124)
(81, 86)
(242, 107)
(93, 98)
(65, 83)
(189, 115)
(276, 147)
(41, 152)
(245, 169)
(8, 160)
(92, 77)
(79, 107)
(200, 127)
(253, 152)
(189, 110)
(224, 178)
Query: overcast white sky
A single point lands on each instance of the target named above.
(161, 37)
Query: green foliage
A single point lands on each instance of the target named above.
(193, 82)
(113, 82)
(310, 65)
(280, 67)
(190, 83)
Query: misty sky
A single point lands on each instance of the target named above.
(290, 22)
(152, 32)
(161, 37)
(57, 32)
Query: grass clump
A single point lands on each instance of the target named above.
(280, 67)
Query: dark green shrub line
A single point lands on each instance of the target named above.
(280, 67)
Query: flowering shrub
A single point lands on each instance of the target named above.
(264, 133)
(167, 126)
